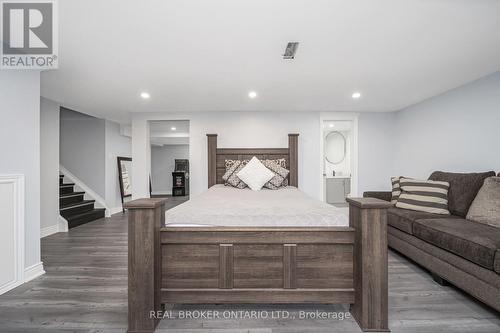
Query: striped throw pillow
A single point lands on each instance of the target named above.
(424, 196)
(396, 189)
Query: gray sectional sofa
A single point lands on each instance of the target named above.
(454, 249)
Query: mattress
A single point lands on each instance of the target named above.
(225, 206)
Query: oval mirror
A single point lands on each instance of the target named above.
(335, 147)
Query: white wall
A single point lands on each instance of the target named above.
(115, 145)
(376, 151)
(82, 148)
(20, 149)
(255, 130)
(49, 166)
(457, 131)
(163, 164)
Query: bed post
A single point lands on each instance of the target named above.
(368, 216)
(212, 159)
(293, 152)
(146, 216)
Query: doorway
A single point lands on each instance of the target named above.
(170, 171)
(339, 160)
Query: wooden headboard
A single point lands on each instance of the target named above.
(217, 156)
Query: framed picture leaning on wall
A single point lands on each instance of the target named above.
(124, 176)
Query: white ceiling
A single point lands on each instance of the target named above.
(207, 55)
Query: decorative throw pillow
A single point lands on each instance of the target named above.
(396, 189)
(229, 163)
(424, 196)
(486, 206)
(280, 174)
(255, 174)
(230, 177)
(282, 163)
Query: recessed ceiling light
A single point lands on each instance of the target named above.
(145, 95)
(252, 94)
(173, 128)
(331, 125)
(356, 95)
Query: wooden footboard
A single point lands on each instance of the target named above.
(258, 265)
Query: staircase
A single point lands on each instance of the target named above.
(74, 208)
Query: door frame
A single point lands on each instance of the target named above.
(340, 116)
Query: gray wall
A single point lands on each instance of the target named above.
(116, 145)
(20, 146)
(162, 165)
(376, 150)
(49, 163)
(82, 148)
(456, 131)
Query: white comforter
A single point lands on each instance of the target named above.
(230, 207)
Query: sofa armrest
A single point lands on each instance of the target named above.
(382, 195)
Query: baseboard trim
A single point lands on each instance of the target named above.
(63, 224)
(116, 210)
(47, 231)
(9, 286)
(33, 272)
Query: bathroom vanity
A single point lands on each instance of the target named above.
(337, 189)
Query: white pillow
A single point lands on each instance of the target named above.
(255, 174)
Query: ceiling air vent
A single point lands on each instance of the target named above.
(291, 49)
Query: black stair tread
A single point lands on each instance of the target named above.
(75, 204)
(90, 212)
(66, 184)
(66, 195)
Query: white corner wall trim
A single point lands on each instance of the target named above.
(33, 272)
(12, 201)
(88, 191)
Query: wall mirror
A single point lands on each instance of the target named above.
(124, 171)
(335, 147)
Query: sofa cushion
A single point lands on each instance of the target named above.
(473, 241)
(486, 206)
(403, 219)
(463, 188)
(497, 262)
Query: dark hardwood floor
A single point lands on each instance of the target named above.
(85, 290)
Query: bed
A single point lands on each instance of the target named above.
(226, 206)
(272, 246)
